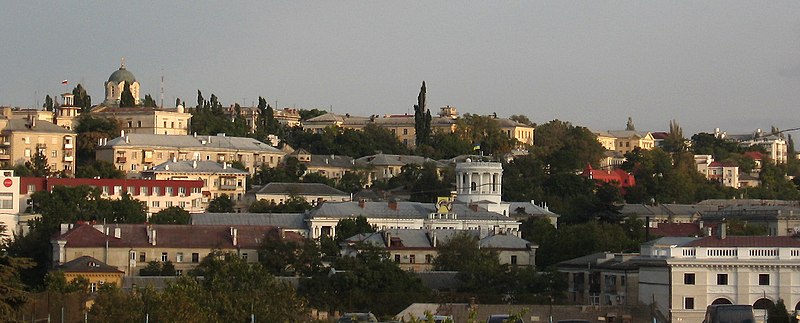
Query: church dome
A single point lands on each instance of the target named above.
(122, 75)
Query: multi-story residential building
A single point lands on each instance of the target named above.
(775, 146)
(287, 116)
(385, 166)
(217, 178)
(681, 276)
(607, 279)
(21, 139)
(145, 120)
(134, 153)
(415, 249)
(403, 125)
(330, 166)
(313, 193)
(129, 247)
(727, 175)
(624, 141)
(156, 194)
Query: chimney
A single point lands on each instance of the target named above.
(151, 235)
(127, 139)
(195, 134)
(117, 233)
(434, 239)
(65, 227)
(473, 207)
(235, 236)
(393, 205)
(122, 133)
(388, 237)
(174, 159)
(194, 164)
(361, 203)
(722, 231)
(224, 165)
(33, 122)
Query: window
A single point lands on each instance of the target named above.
(156, 204)
(182, 190)
(31, 188)
(168, 204)
(428, 259)
(105, 190)
(156, 191)
(688, 279)
(54, 153)
(168, 191)
(27, 152)
(143, 190)
(405, 131)
(763, 279)
(164, 257)
(117, 190)
(131, 190)
(142, 257)
(179, 257)
(6, 201)
(397, 258)
(195, 257)
(92, 287)
(178, 272)
(412, 259)
(133, 255)
(513, 260)
(134, 167)
(722, 279)
(688, 303)
(244, 256)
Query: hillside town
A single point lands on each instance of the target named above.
(112, 211)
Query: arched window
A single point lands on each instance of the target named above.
(721, 300)
(474, 186)
(763, 304)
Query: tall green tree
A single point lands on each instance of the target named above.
(149, 101)
(282, 256)
(90, 131)
(81, 98)
(675, 142)
(13, 293)
(220, 204)
(422, 118)
(48, 103)
(171, 215)
(349, 227)
(126, 99)
(778, 313)
(38, 164)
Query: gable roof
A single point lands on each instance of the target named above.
(745, 241)
(21, 125)
(218, 142)
(170, 236)
(87, 264)
(280, 220)
(676, 230)
(299, 189)
(194, 166)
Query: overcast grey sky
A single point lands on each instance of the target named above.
(728, 64)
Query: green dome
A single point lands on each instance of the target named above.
(122, 75)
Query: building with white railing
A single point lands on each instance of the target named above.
(684, 275)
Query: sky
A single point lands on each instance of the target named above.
(733, 65)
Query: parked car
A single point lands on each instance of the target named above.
(502, 318)
(729, 313)
(357, 318)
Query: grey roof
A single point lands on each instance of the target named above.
(193, 166)
(282, 220)
(87, 264)
(299, 189)
(218, 142)
(405, 210)
(39, 126)
(122, 75)
(530, 208)
(664, 209)
(326, 160)
(604, 260)
(155, 282)
(422, 238)
(395, 160)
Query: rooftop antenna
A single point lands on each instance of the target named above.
(162, 87)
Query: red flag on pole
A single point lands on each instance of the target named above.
(64, 82)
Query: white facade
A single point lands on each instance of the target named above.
(9, 207)
(683, 279)
(776, 147)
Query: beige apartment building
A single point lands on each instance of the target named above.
(624, 141)
(134, 153)
(330, 166)
(129, 247)
(20, 139)
(145, 120)
(218, 178)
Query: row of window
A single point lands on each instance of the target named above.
(168, 204)
(722, 279)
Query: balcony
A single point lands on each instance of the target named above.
(4, 156)
(121, 160)
(68, 158)
(229, 187)
(68, 145)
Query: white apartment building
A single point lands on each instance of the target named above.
(681, 276)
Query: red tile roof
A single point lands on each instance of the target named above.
(745, 241)
(622, 178)
(755, 155)
(171, 236)
(676, 230)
